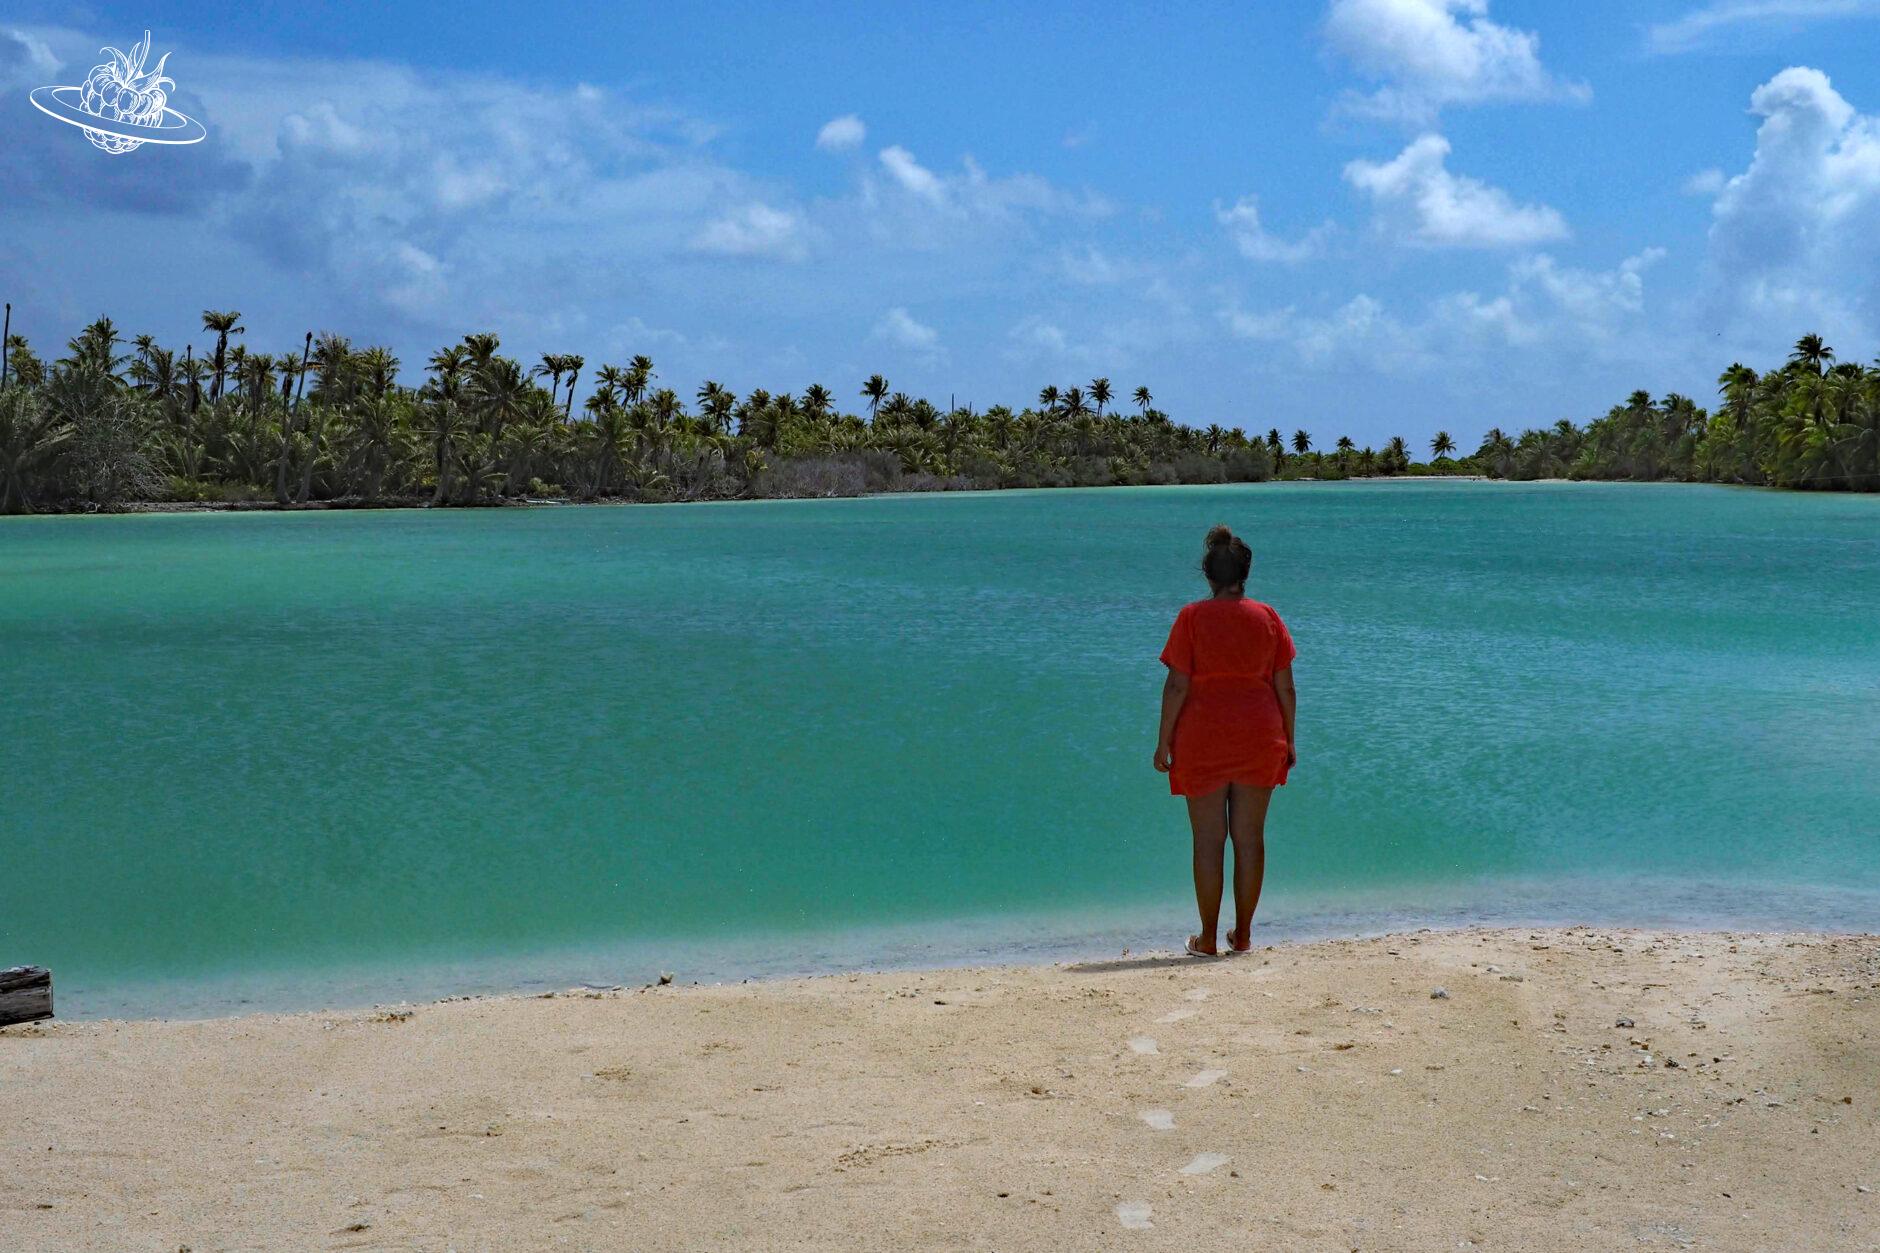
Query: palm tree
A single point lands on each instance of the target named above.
(1397, 455)
(1812, 422)
(816, 400)
(296, 378)
(447, 367)
(256, 377)
(496, 391)
(25, 368)
(610, 384)
(195, 373)
(333, 361)
(371, 443)
(222, 325)
(481, 346)
(575, 361)
(94, 350)
(639, 377)
(31, 431)
(1811, 354)
(875, 389)
(717, 402)
(1497, 451)
(554, 365)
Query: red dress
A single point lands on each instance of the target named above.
(1229, 729)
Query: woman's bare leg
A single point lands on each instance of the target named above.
(1208, 816)
(1246, 820)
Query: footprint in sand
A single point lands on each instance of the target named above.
(1143, 1044)
(1196, 994)
(1205, 1162)
(1159, 1119)
(1205, 1079)
(1176, 1015)
(1134, 1215)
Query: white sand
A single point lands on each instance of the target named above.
(1002, 1109)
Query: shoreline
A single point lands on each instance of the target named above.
(1025, 938)
(149, 508)
(134, 508)
(1664, 1087)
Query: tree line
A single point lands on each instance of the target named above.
(114, 422)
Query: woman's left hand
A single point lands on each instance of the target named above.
(1164, 758)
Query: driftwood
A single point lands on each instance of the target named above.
(25, 994)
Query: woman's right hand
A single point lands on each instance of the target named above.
(1164, 758)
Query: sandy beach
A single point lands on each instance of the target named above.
(1301, 1097)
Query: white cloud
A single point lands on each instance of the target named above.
(898, 327)
(25, 61)
(1705, 183)
(909, 207)
(841, 133)
(980, 192)
(1429, 54)
(1589, 298)
(634, 332)
(1795, 239)
(1093, 267)
(756, 230)
(1704, 25)
(1420, 202)
(505, 186)
(1360, 330)
(911, 174)
(1256, 244)
(1546, 303)
(1560, 312)
(1035, 336)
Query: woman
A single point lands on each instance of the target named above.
(1227, 732)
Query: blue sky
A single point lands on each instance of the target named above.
(1358, 216)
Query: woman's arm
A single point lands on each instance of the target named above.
(1288, 706)
(1174, 692)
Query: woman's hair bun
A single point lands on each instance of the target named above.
(1227, 559)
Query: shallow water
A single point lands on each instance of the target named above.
(325, 758)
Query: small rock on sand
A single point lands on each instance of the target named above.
(1439, 994)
